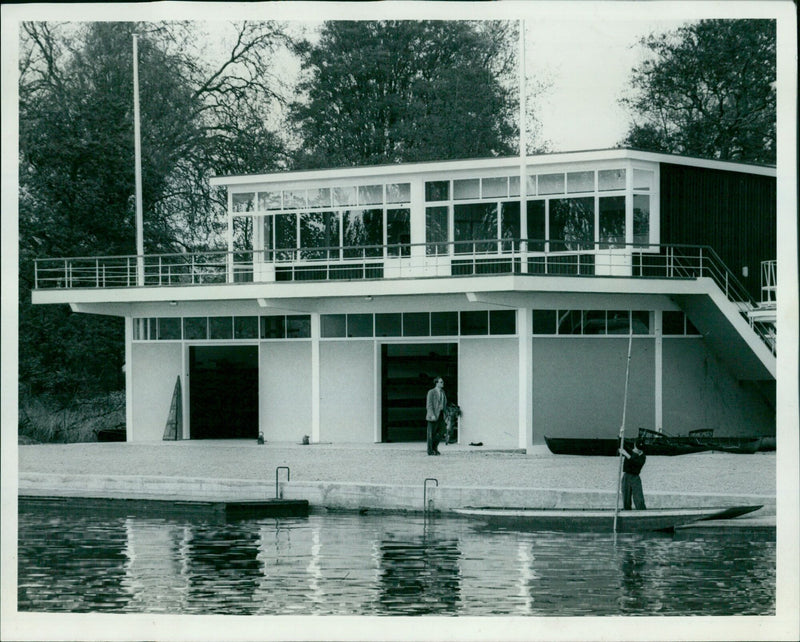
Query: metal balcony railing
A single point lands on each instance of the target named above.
(534, 257)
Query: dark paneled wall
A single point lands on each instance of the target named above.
(734, 213)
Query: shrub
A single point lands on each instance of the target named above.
(44, 420)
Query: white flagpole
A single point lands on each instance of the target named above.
(138, 160)
(523, 135)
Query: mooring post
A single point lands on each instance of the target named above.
(425, 492)
(288, 476)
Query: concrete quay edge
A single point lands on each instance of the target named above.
(358, 496)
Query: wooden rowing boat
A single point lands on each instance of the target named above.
(599, 519)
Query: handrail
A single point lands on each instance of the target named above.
(540, 257)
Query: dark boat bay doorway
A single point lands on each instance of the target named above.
(223, 392)
(407, 372)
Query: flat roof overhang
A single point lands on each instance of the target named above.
(510, 162)
(718, 319)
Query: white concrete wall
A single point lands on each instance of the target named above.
(347, 391)
(155, 368)
(487, 392)
(579, 386)
(700, 393)
(285, 390)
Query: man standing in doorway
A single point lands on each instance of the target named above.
(631, 482)
(435, 405)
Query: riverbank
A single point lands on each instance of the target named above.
(384, 476)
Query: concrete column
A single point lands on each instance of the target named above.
(315, 334)
(525, 378)
(129, 378)
(659, 373)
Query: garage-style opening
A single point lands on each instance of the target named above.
(223, 392)
(407, 372)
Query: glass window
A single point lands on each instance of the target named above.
(363, 228)
(285, 236)
(416, 324)
(544, 321)
(619, 322)
(398, 232)
(475, 322)
(570, 322)
(245, 327)
(469, 188)
(437, 190)
(494, 187)
(388, 324)
(551, 184)
(502, 321)
(641, 219)
(594, 322)
(444, 324)
(476, 221)
(672, 322)
(690, 329)
(359, 325)
(513, 185)
(509, 224)
(298, 326)
(243, 233)
(319, 230)
(571, 223)
(436, 230)
(220, 327)
(609, 179)
(269, 201)
(370, 195)
(612, 221)
(642, 179)
(580, 182)
(243, 202)
(168, 328)
(398, 193)
(536, 225)
(640, 322)
(295, 199)
(344, 196)
(319, 197)
(273, 327)
(333, 325)
(195, 328)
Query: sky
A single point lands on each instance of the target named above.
(587, 65)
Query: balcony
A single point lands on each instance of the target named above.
(519, 257)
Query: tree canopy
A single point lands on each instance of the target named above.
(199, 117)
(400, 91)
(708, 91)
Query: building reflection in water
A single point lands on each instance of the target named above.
(342, 564)
(420, 574)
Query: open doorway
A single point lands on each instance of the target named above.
(223, 392)
(407, 372)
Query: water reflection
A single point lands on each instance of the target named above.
(419, 575)
(386, 565)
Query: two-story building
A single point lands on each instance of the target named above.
(343, 292)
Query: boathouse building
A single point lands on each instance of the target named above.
(343, 292)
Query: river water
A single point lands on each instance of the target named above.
(347, 564)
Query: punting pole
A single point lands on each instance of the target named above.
(622, 426)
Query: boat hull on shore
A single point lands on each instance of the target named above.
(599, 519)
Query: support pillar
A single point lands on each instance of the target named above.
(129, 378)
(525, 377)
(315, 334)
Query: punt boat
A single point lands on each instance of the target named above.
(599, 519)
